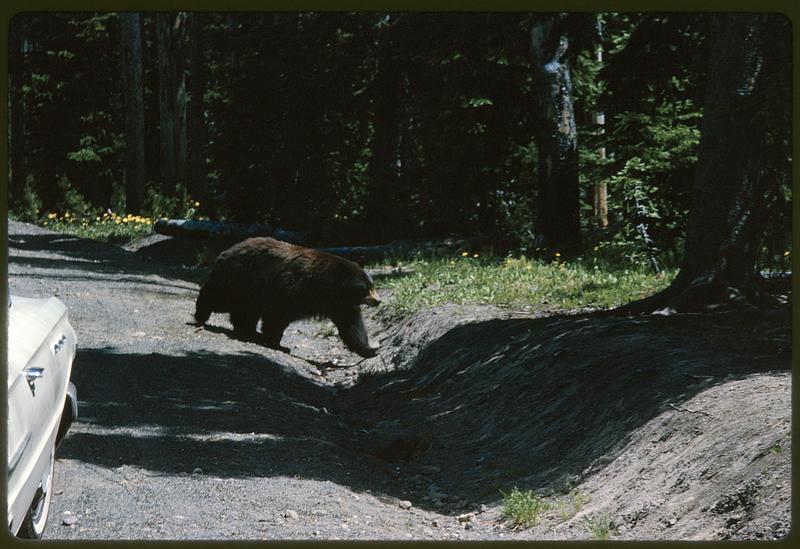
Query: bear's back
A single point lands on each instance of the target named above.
(288, 277)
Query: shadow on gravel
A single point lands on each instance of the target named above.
(97, 257)
(64, 270)
(489, 405)
(235, 415)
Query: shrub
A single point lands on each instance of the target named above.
(523, 509)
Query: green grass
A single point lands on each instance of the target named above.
(523, 509)
(579, 499)
(601, 527)
(571, 503)
(530, 284)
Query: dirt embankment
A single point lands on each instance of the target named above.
(667, 427)
(657, 427)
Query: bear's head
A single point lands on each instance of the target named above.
(357, 285)
(371, 298)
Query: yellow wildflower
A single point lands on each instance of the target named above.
(558, 254)
(52, 215)
(66, 215)
(464, 254)
(475, 255)
(196, 204)
(786, 253)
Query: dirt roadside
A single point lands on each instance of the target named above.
(656, 428)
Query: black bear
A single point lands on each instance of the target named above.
(277, 282)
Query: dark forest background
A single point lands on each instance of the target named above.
(368, 127)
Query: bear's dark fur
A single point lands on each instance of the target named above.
(277, 282)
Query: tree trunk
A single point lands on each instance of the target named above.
(16, 145)
(558, 201)
(726, 219)
(600, 195)
(131, 37)
(171, 100)
(197, 182)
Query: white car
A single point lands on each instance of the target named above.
(42, 404)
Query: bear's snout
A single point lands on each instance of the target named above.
(372, 299)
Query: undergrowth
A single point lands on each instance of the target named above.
(105, 227)
(76, 216)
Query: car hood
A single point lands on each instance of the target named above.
(30, 322)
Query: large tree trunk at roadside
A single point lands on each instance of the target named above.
(171, 100)
(198, 182)
(558, 201)
(747, 92)
(131, 37)
(16, 145)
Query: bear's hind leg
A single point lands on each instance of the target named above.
(244, 323)
(272, 329)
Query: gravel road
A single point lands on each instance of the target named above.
(187, 433)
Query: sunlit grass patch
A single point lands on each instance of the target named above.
(519, 282)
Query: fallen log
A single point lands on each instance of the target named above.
(405, 248)
(220, 230)
(234, 232)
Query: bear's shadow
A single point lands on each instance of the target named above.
(257, 339)
(229, 332)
